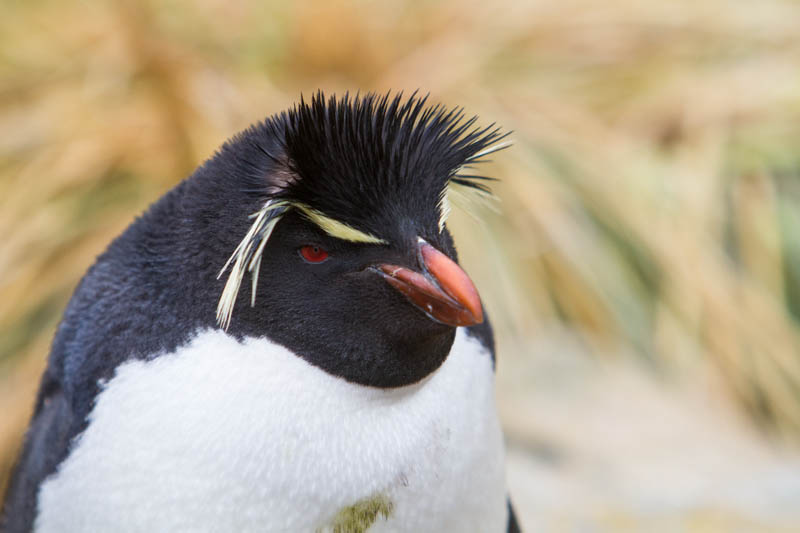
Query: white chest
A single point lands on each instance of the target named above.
(229, 436)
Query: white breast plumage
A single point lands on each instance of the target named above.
(245, 436)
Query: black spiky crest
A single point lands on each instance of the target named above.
(351, 153)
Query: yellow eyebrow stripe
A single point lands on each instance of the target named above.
(337, 229)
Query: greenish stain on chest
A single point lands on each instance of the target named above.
(358, 517)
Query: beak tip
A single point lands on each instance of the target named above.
(472, 317)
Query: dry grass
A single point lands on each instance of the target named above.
(651, 203)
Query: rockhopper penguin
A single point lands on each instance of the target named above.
(283, 342)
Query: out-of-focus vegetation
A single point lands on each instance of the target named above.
(651, 202)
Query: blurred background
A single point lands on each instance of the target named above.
(642, 273)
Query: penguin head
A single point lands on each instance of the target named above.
(346, 259)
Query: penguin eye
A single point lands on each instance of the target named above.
(313, 253)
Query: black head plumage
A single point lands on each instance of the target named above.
(370, 169)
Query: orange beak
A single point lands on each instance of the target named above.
(443, 291)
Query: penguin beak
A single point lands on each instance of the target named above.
(443, 291)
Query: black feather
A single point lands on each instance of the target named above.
(369, 159)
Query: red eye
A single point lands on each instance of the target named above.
(313, 254)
